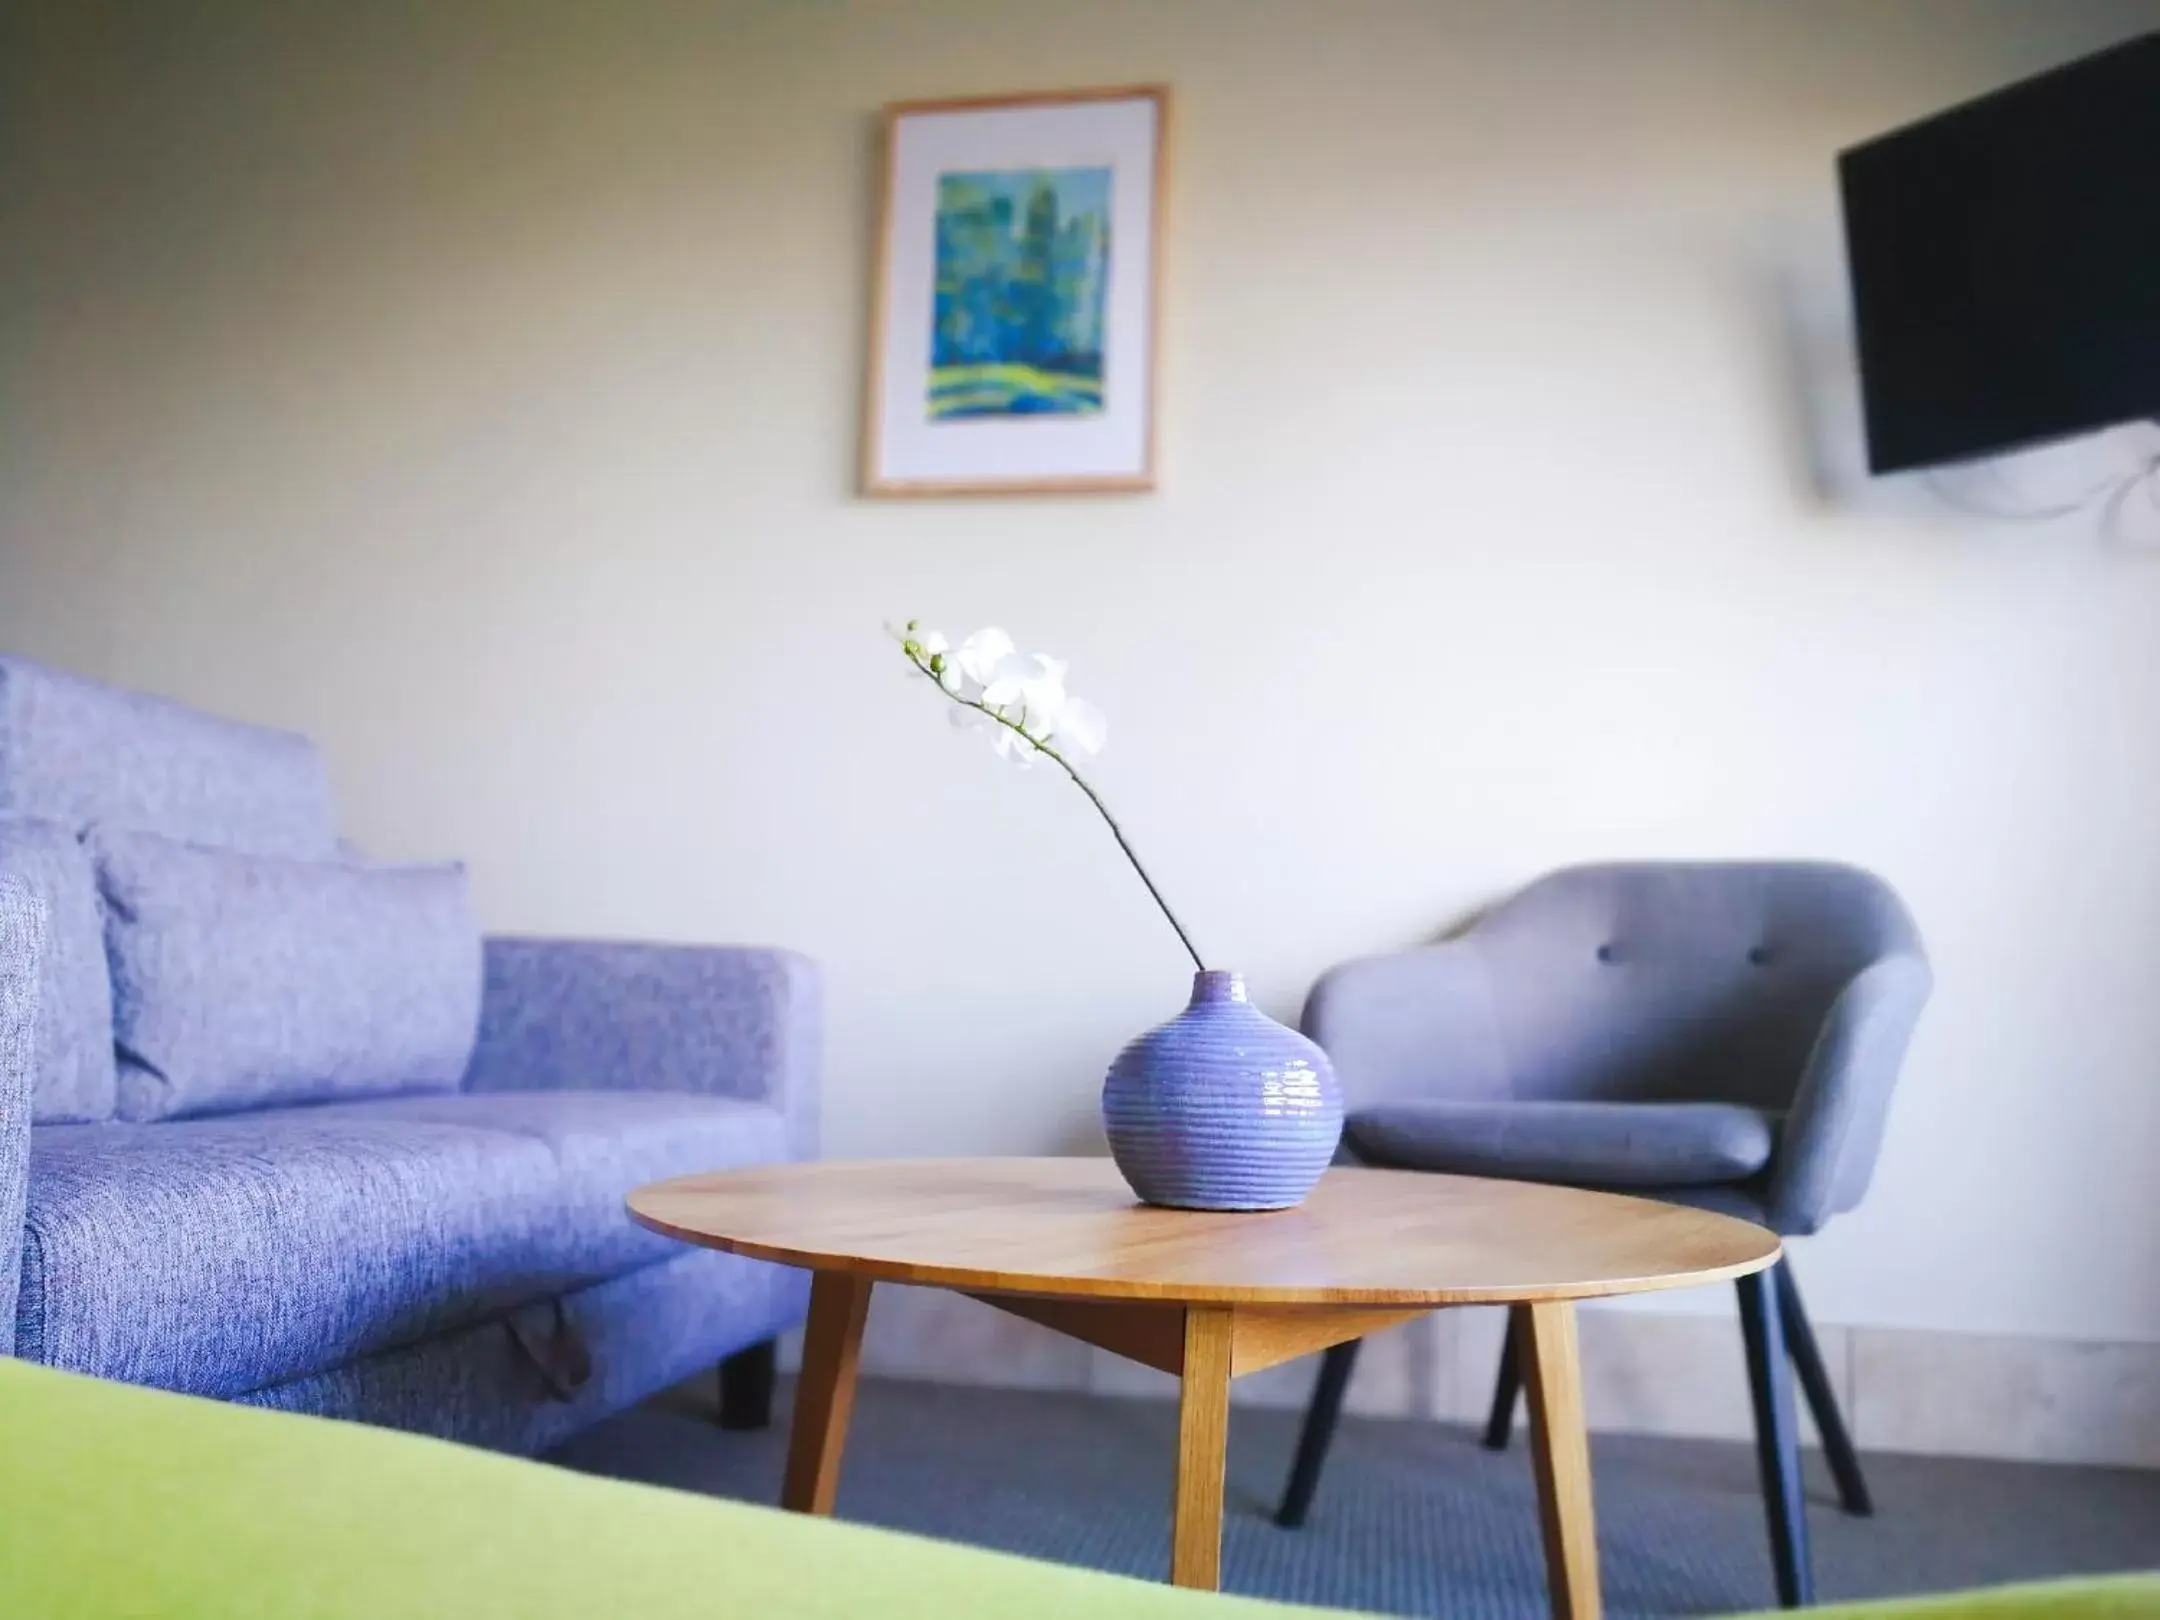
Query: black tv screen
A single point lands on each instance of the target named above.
(2005, 261)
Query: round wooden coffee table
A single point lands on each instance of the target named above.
(1208, 1297)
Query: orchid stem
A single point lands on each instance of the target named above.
(1081, 783)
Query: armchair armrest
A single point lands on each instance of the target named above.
(1414, 1024)
(22, 944)
(1833, 1132)
(728, 1021)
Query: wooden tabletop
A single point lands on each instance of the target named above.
(1071, 1228)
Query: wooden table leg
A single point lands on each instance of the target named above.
(825, 1390)
(1203, 1434)
(1560, 1446)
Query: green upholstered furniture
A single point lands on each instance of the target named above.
(121, 1501)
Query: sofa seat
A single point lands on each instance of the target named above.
(1618, 1145)
(220, 1256)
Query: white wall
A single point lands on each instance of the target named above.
(475, 388)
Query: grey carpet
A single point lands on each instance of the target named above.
(1412, 1518)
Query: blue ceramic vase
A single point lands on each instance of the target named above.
(1222, 1107)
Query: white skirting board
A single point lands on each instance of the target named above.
(1902, 1389)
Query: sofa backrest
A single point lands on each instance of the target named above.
(78, 753)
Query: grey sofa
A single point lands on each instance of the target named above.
(443, 1250)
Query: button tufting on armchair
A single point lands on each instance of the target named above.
(1725, 1034)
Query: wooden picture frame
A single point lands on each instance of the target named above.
(1014, 332)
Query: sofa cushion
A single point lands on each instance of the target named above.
(73, 1063)
(603, 1145)
(245, 980)
(1595, 1144)
(76, 752)
(220, 1256)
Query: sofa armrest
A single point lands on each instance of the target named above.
(22, 944)
(558, 1015)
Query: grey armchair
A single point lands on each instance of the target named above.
(1718, 1034)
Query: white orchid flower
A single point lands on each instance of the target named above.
(929, 651)
(980, 656)
(1011, 745)
(1028, 690)
(1031, 693)
(1022, 699)
(913, 638)
(1081, 729)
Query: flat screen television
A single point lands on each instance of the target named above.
(2005, 261)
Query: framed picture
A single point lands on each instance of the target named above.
(1015, 298)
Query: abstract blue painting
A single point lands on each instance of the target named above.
(1023, 261)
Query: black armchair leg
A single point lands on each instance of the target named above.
(1507, 1390)
(746, 1387)
(1319, 1430)
(1777, 1438)
(1821, 1398)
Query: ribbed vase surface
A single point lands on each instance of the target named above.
(1222, 1107)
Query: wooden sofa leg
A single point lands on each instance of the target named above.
(746, 1387)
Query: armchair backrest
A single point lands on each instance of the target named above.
(1699, 981)
(1792, 987)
